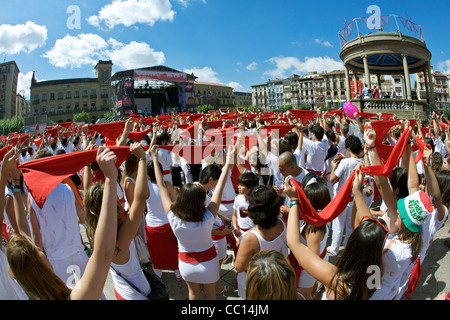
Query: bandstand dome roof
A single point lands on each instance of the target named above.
(385, 52)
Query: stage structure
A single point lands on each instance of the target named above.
(152, 91)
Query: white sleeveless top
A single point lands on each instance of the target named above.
(323, 243)
(278, 244)
(156, 216)
(132, 271)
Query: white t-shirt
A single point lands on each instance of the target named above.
(58, 223)
(243, 220)
(341, 146)
(192, 236)
(397, 258)
(440, 147)
(429, 229)
(344, 170)
(316, 152)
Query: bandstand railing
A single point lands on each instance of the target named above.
(403, 108)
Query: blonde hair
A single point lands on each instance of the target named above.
(30, 271)
(131, 166)
(93, 199)
(270, 277)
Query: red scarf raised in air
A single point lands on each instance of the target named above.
(193, 153)
(344, 196)
(41, 176)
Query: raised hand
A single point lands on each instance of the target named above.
(106, 160)
(137, 150)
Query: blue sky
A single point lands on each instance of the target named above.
(234, 42)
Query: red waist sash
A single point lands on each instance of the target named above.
(197, 257)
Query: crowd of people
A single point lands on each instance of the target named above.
(283, 192)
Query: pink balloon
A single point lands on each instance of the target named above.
(350, 109)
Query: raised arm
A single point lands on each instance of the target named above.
(10, 157)
(130, 225)
(126, 130)
(362, 210)
(432, 184)
(321, 270)
(413, 176)
(90, 286)
(19, 206)
(382, 182)
(165, 195)
(214, 204)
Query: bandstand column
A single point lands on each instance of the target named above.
(355, 77)
(367, 72)
(427, 88)
(407, 79)
(430, 80)
(348, 91)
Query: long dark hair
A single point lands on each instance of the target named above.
(443, 178)
(190, 203)
(364, 249)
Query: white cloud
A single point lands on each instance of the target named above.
(22, 37)
(444, 66)
(131, 12)
(185, 3)
(323, 43)
(134, 55)
(205, 74)
(87, 49)
(236, 86)
(24, 83)
(285, 65)
(76, 51)
(252, 66)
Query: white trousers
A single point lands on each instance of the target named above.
(341, 224)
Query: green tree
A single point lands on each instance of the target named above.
(447, 113)
(15, 124)
(109, 114)
(205, 108)
(82, 116)
(285, 108)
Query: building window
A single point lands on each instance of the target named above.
(44, 97)
(77, 94)
(60, 95)
(68, 94)
(52, 96)
(85, 94)
(44, 110)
